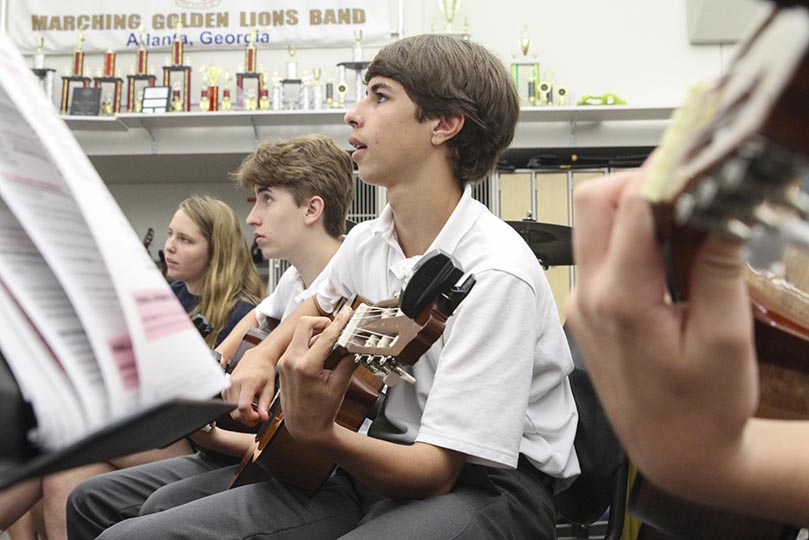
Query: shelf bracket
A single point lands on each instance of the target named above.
(573, 125)
(255, 130)
(152, 135)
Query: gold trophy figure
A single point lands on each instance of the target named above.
(357, 51)
(176, 100)
(449, 8)
(39, 55)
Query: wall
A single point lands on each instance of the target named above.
(636, 49)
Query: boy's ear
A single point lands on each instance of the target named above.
(446, 128)
(314, 209)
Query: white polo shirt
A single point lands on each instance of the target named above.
(494, 385)
(288, 294)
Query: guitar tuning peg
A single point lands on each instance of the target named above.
(706, 192)
(684, 208)
(405, 376)
(798, 201)
(767, 217)
(738, 230)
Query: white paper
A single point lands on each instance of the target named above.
(33, 285)
(144, 344)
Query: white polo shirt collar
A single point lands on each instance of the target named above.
(460, 221)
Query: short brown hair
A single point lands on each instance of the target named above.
(447, 76)
(308, 166)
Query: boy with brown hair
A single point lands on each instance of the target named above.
(304, 187)
(472, 449)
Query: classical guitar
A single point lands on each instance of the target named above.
(148, 238)
(383, 339)
(251, 338)
(729, 164)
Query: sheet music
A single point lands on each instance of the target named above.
(24, 271)
(144, 344)
(60, 419)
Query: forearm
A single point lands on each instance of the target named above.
(764, 471)
(231, 342)
(276, 343)
(231, 443)
(18, 499)
(397, 471)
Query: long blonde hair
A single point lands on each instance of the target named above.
(231, 275)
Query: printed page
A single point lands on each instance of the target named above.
(42, 382)
(146, 346)
(32, 284)
(32, 188)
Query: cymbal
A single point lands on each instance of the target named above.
(552, 244)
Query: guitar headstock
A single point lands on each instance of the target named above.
(734, 150)
(396, 332)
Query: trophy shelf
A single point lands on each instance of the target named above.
(594, 113)
(231, 119)
(94, 123)
(189, 132)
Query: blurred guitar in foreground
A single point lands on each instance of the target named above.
(730, 164)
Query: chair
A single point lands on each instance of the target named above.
(602, 484)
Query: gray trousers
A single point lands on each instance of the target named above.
(485, 504)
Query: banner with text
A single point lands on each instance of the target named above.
(118, 25)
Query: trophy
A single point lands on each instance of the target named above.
(357, 65)
(306, 92)
(341, 88)
(177, 46)
(78, 58)
(45, 75)
(330, 90)
(176, 100)
(528, 95)
(39, 55)
(226, 103)
(317, 90)
(212, 74)
(74, 75)
(249, 72)
(291, 90)
(139, 73)
(204, 102)
(358, 45)
(176, 65)
(251, 53)
(277, 94)
(108, 77)
(291, 65)
(449, 8)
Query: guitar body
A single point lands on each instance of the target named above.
(728, 166)
(276, 454)
(251, 338)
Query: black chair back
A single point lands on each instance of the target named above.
(602, 483)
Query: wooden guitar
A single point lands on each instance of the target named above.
(384, 339)
(729, 165)
(251, 338)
